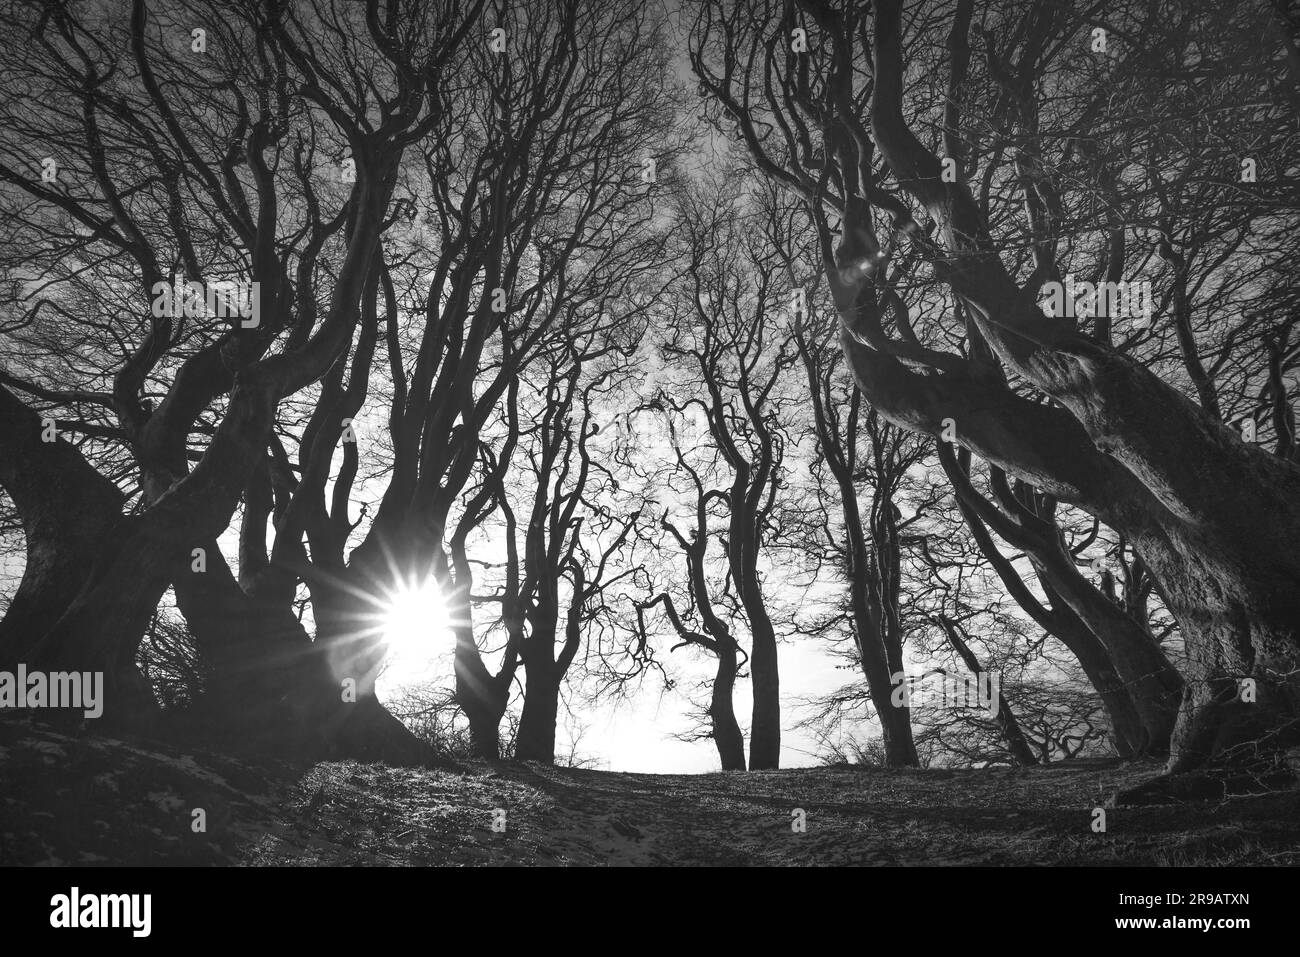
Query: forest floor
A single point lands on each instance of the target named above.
(81, 800)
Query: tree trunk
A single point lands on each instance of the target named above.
(536, 738)
(726, 729)
(876, 632)
(1215, 519)
(765, 729)
(1145, 675)
(895, 719)
(1021, 754)
(263, 688)
(1240, 621)
(345, 661)
(743, 546)
(481, 695)
(101, 628)
(1127, 730)
(1039, 539)
(68, 512)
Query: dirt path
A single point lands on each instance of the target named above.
(852, 816)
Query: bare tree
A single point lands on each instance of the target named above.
(1126, 664)
(728, 339)
(834, 119)
(141, 166)
(573, 541)
(856, 447)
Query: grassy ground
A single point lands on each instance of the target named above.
(70, 800)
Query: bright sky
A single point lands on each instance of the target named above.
(637, 735)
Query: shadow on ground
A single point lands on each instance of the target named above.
(85, 800)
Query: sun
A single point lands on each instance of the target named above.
(412, 613)
(414, 626)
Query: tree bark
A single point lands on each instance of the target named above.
(1146, 675)
(68, 511)
(765, 729)
(747, 490)
(875, 634)
(482, 695)
(535, 740)
(727, 736)
(1138, 684)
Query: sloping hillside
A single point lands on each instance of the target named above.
(70, 800)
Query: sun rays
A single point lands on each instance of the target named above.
(416, 614)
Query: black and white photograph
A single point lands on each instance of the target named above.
(650, 433)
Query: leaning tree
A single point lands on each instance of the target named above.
(1026, 147)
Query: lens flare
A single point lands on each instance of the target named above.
(414, 627)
